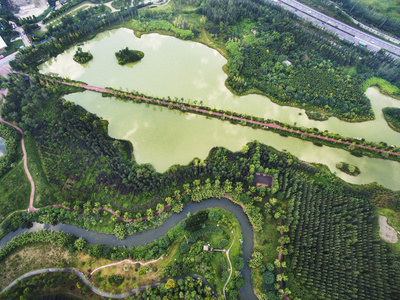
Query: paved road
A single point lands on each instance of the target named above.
(343, 30)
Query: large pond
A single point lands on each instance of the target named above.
(176, 68)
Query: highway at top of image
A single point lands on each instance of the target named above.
(343, 30)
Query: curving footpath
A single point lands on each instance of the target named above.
(230, 264)
(97, 291)
(25, 157)
(128, 261)
(210, 112)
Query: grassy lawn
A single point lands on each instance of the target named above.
(13, 46)
(14, 191)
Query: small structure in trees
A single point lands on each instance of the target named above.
(263, 180)
(205, 248)
(287, 63)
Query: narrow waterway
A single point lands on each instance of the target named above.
(153, 234)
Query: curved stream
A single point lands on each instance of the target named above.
(153, 234)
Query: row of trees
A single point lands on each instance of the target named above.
(334, 253)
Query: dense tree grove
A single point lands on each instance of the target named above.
(392, 116)
(333, 251)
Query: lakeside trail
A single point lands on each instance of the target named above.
(3, 94)
(210, 112)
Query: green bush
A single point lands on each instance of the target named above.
(116, 280)
(184, 248)
(238, 263)
(223, 243)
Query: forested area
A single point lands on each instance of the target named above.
(334, 251)
(392, 116)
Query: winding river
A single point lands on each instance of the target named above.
(153, 234)
(176, 68)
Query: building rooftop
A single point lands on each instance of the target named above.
(2, 43)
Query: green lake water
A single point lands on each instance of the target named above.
(176, 68)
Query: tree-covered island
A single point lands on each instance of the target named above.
(126, 55)
(82, 57)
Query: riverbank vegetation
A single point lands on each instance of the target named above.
(392, 117)
(348, 169)
(126, 55)
(384, 86)
(82, 57)
(181, 250)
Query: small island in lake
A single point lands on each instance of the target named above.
(348, 169)
(125, 56)
(82, 57)
(392, 117)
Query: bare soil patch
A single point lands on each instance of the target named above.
(26, 8)
(386, 232)
(30, 258)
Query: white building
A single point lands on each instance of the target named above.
(2, 45)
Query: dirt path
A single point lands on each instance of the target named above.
(128, 261)
(387, 232)
(3, 93)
